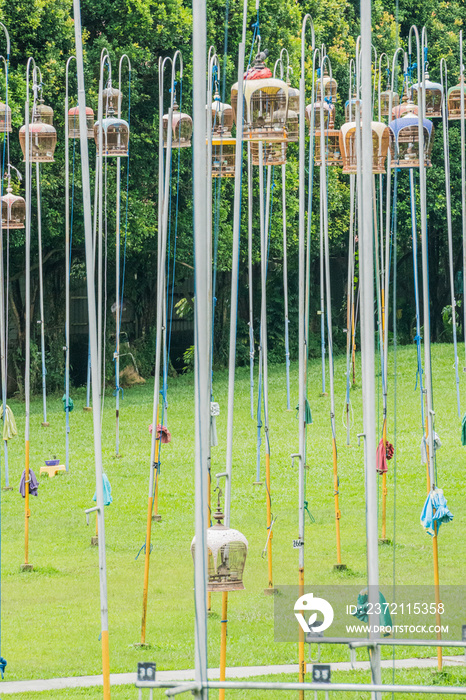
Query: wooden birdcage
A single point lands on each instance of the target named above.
(385, 102)
(404, 142)
(454, 101)
(13, 211)
(115, 137)
(330, 86)
(73, 123)
(182, 128)
(273, 153)
(433, 97)
(223, 157)
(222, 117)
(5, 118)
(42, 142)
(111, 99)
(42, 113)
(329, 115)
(380, 144)
(350, 109)
(333, 155)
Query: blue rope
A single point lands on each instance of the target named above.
(417, 338)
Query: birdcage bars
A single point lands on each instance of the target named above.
(273, 153)
(13, 210)
(454, 101)
(73, 123)
(404, 142)
(223, 157)
(433, 97)
(380, 145)
(333, 155)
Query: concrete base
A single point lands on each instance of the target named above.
(324, 393)
(45, 425)
(156, 518)
(7, 488)
(384, 540)
(270, 591)
(257, 483)
(94, 541)
(27, 567)
(88, 409)
(118, 456)
(142, 645)
(339, 567)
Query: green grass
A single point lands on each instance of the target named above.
(51, 616)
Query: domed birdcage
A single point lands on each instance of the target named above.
(404, 136)
(333, 156)
(42, 113)
(329, 115)
(406, 107)
(111, 99)
(42, 142)
(5, 118)
(73, 123)
(350, 109)
(434, 97)
(273, 153)
(454, 101)
(182, 128)
(330, 87)
(266, 103)
(115, 135)
(292, 119)
(385, 102)
(13, 210)
(227, 550)
(223, 156)
(380, 144)
(222, 117)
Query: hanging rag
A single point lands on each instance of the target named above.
(33, 484)
(161, 429)
(437, 444)
(307, 413)
(70, 403)
(107, 491)
(9, 424)
(362, 606)
(435, 511)
(382, 456)
(463, 431)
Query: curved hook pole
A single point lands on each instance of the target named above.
(120, 66)
(7, 37)
(213, 61)
(177, 55)
(307, 18)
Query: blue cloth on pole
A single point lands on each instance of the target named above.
(33, 484)
(107, 491)
(435, 501)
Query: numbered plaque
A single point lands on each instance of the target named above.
(146, 671)
(321, 673)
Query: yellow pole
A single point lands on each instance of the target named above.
(223, 642)
(337, 507)
(302, 662)
(106, 664)
(269, 523)
(157, 517)
(146, 571)
(384, 484)
(27, 512)
(209, 482)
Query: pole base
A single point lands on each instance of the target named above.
(323, 393)
(339, 567)
(27, 567)
(94, 541)
(257, 483)
(384, 540)
(156, 518)
(45, 424)
(142, 645)
(88, 409)
(270, 591)
(118, 456)
(7, 488)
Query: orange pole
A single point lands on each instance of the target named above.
(302, 662)
(106, 664)
(335, 493)
(146, 571)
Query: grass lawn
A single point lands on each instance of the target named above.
(51, 616)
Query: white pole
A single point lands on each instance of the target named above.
(463, 183)
(41, 299)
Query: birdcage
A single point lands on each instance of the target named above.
(42, 113)
(222, 117)
(42, 142)
(292, 119)
(385, 102)
(13, 211)
(333, 155)
(111, 99)
(182, 128)
(330, 86)
(404, 136)
(350, 109)
(329, 115)
(223, 157)
(433, 97)
(226, 550)
(5, 118)
(380, 144)
(406, 108)
(454, 101)
(73, 123)
(115, 136)
(273, 153)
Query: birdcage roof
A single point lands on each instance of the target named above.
(456, 88)
(218, 536)
(75, 110)
(398, 124)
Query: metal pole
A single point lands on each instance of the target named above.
(250, 285)
(93, 345)
(45, 424)
(202, 267)
(463, 182)
(349, 307)
(285, 289)
(367, 327)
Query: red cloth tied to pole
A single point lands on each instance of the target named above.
(163, 433)
(258, 73)
(382, 456)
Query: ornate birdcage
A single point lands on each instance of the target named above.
(223, 157)
(13, 210)
(5, 118)
(406, 107)
(329, 115)
(350, 109)
(115, 136)
(333, 155)
(404, 136)
(222, 117)
(182, 128)
(330, 87)
(273, 153)
(433, 96)
(292, 120)
(227, 550)
(380, 144)
(266, 103)
(42, 142)
(385, 102)
(111, 99)
(73, 123)
(454, 101)
(42, 113)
